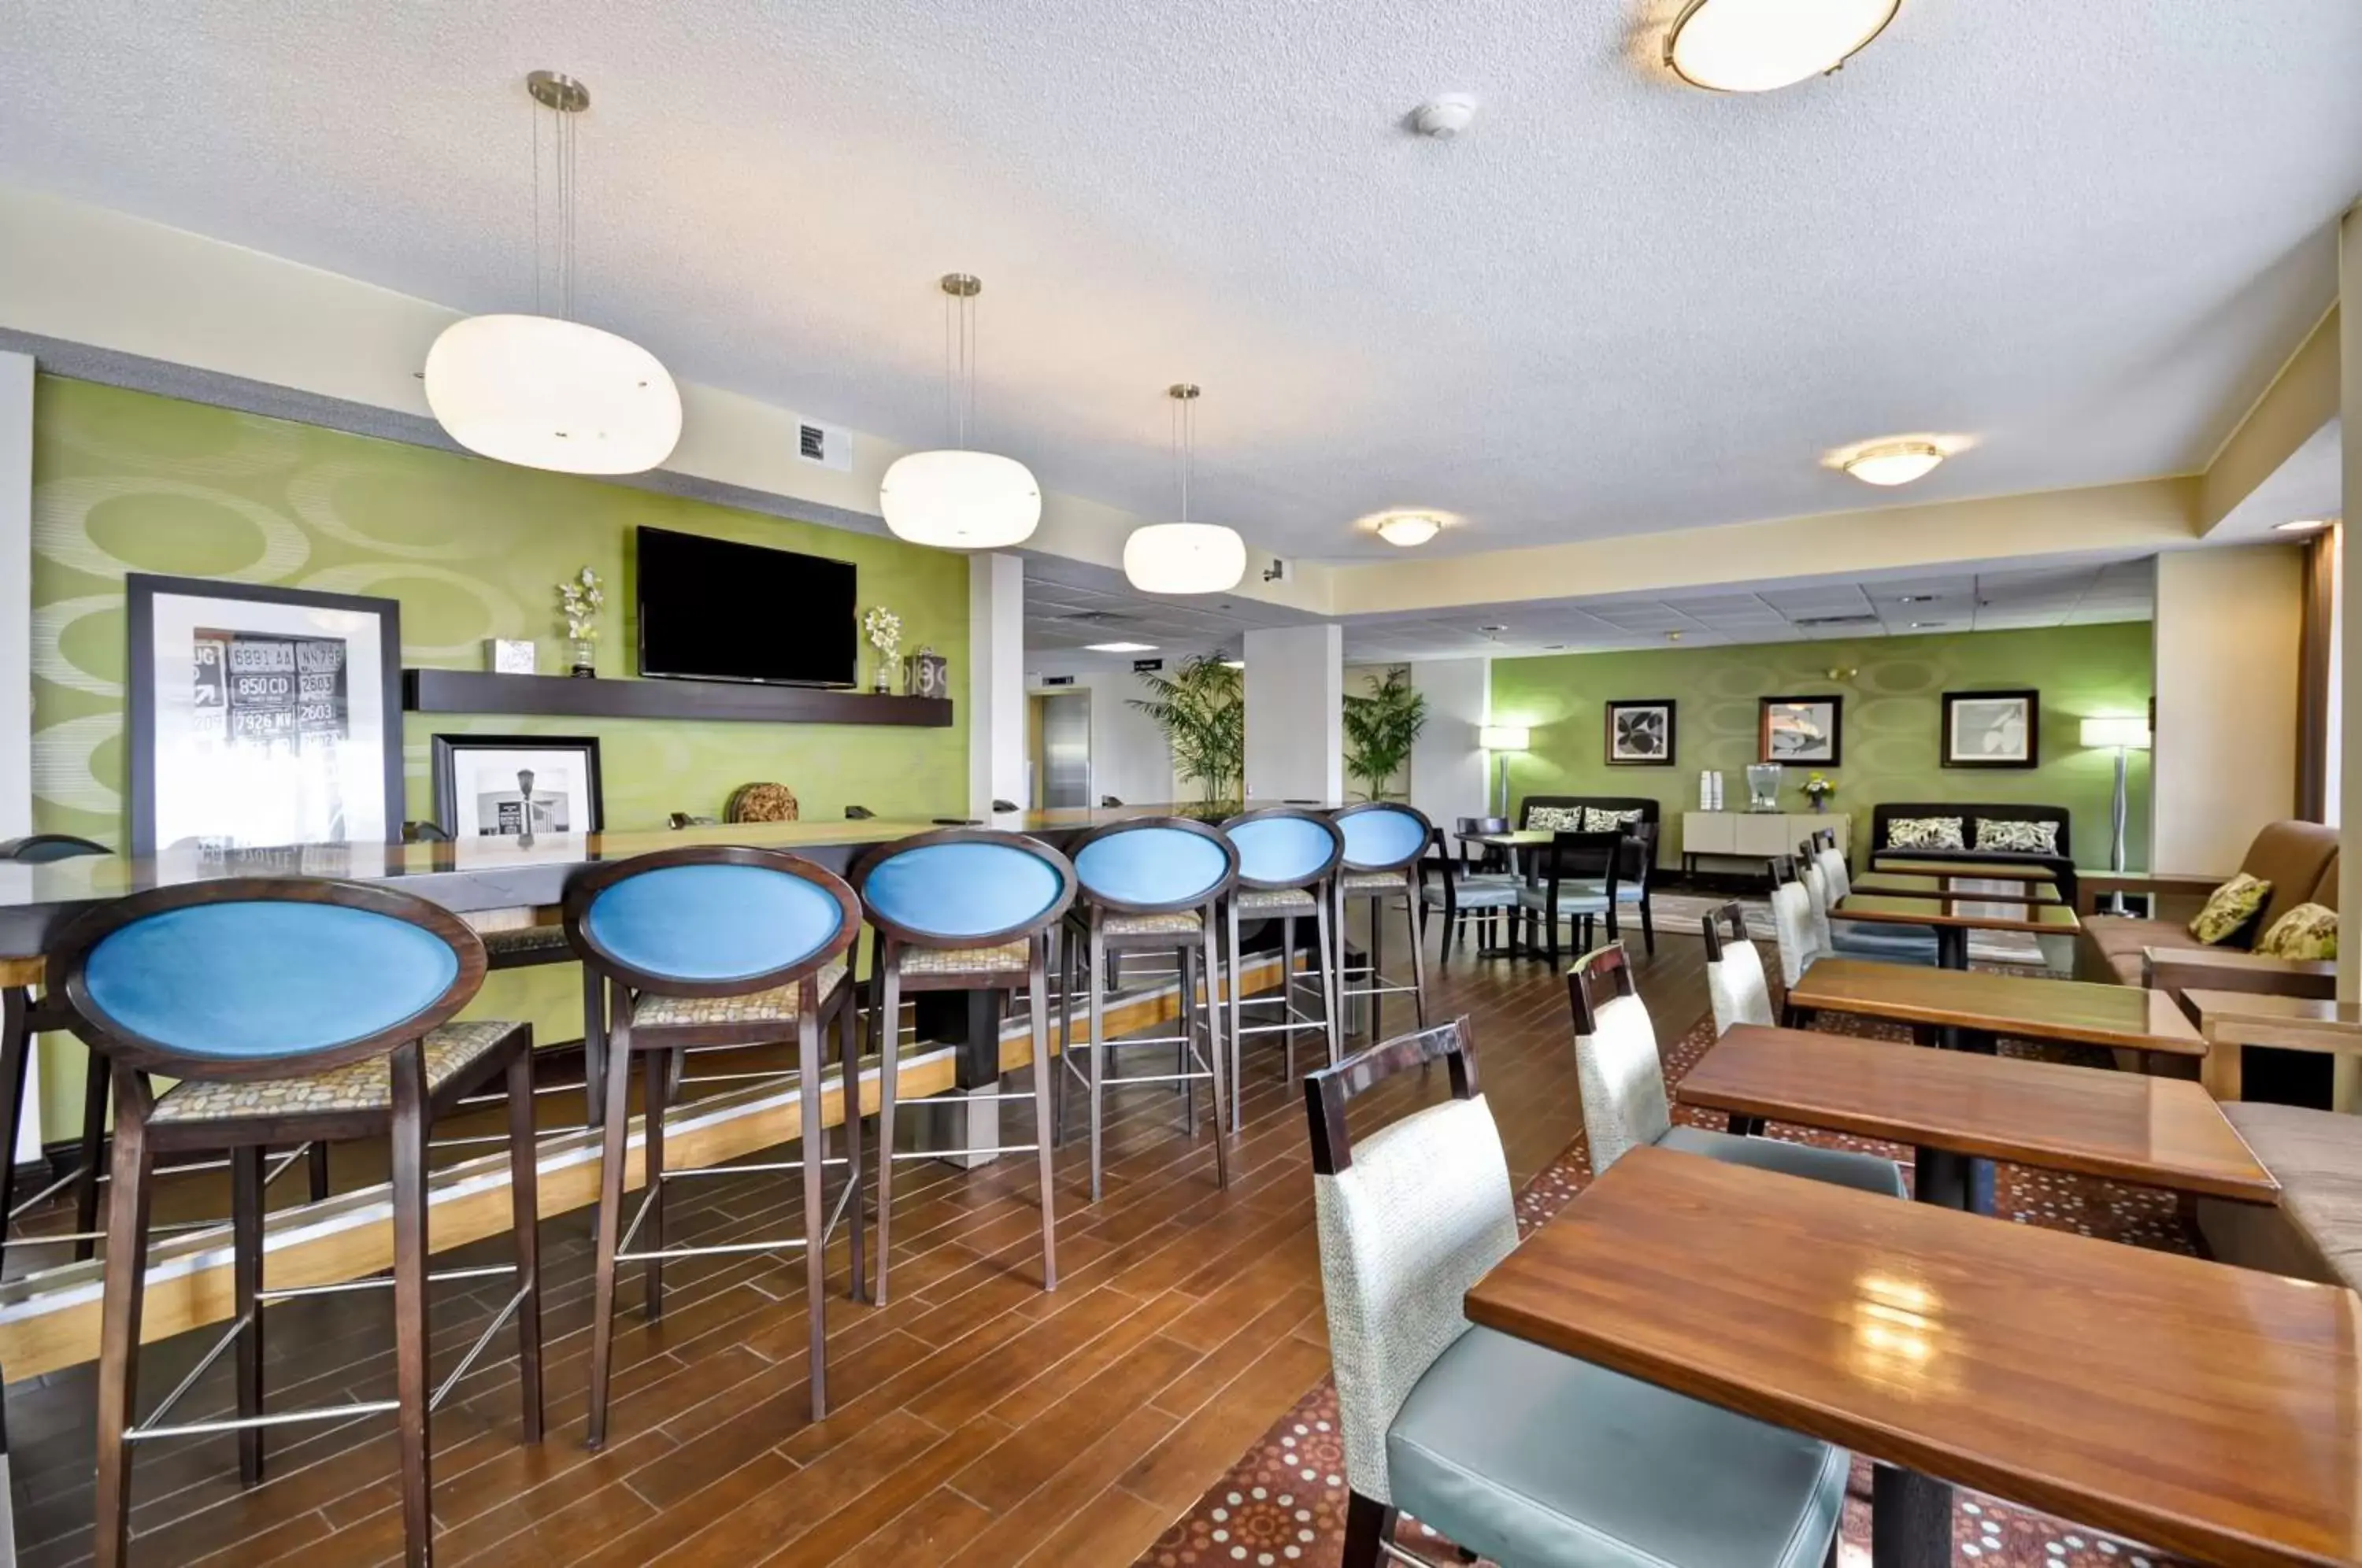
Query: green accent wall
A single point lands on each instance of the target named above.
(127, 482)
(1893, 712)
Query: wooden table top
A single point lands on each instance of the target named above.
(2296, 1023)
(2027, 1007)
(2152, 1132)
(1977, 911)
(2205, 1410)
(1520, 838)
(1895, 885)
(1983, 870)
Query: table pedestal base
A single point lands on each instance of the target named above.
(1910, 1520)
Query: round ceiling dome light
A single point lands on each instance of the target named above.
(1755, 46)
(1409, 529)
(546, 393)
(958, 500)
(1185, 557)
(1894, 462)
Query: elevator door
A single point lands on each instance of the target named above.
(1067, 750)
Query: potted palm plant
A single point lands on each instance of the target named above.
(1380, 730)
(1202, 711)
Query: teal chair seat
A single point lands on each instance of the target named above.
(1839, 1167)
(1486, 892)
(1596, 887)
(1572, 899)
(1871, 939)
(1538, 1459)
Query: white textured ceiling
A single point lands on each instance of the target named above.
(2081, 233)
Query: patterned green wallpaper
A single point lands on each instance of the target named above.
(1893, 703)
(473, 549)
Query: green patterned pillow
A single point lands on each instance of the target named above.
(1597, 819)
(1925, 833)
(2230, 907)
(2308, 930)
(1554, 819)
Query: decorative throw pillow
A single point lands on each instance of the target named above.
(1597, 820)
(1925, 833)
(1554, 819)
(2308, 930)
(2228, 908)
(2022, 838)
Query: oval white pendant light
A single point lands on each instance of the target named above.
(1755, 46)
(547, 392)
(1894, 462)
(956, 498)
(1184, 556)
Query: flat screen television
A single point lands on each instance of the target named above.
(714, 610)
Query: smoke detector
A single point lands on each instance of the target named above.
(1444, 116)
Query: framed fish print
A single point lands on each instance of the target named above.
(260, 717)
(1802, 730)
(1992, 729)
(1640, 733)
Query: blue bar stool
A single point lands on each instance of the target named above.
(1287, 855)
(715, 947)
(289, 1010)
(962, 910)
(1384, 841)
(1152, 884)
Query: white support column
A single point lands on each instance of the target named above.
(2226, 684)
(1448, 780)
(995, 685)
(1296, 714)
(2350, 654)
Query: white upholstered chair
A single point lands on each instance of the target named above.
(1510, 1450)
(1792, 929)
(1735, 980)
(1824, 876)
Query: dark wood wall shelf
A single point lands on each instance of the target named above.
(480, 692)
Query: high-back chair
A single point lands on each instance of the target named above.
(1793, 931)
(1735, 980)
(962, 910)
(1450, 884)
(713, 947)
(1624, 1099)
(1512, 1450)
(289, 1010)
(1383, 844)
(1287, 856)
(1823, 873)
(1575, 877)
(1153, 884)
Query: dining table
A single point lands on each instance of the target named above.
(2199, 1408)
(1905, 864)
(1951, 916)
(1984, 1004)
(1951, 1107)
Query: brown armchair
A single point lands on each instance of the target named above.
(2299, 859)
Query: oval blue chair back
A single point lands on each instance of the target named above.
(965, 887)
(250, 978)
(1383, 836)
(711, 919)
(1283, 846)
(1156, 865)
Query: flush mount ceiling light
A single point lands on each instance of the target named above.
(1893, 462)
(1409, 529)
(954, 498)
(1755, 46)
(1184, 556)
(1119, 647)
(2299, 525)
(547, 392)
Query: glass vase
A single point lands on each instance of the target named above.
(583, 655)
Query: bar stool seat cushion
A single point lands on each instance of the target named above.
(1357, 882)
(1173, 922)
(523, 940)
(1838, 1168)
(1012, 957)
(1531, 1457)
(450, 1050)
(780, 1004)
(1480, 892)
(1274, 900)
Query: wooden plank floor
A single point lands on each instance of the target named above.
(976, 1420)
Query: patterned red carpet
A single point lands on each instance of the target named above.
(1284, 1501)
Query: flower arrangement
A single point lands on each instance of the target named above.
(884, 630)
(1818, 788)
(580, 599)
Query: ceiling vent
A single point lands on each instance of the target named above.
(830, 446)
(1862, 620)
(1090, 618)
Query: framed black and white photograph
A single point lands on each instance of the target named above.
(1802, 730)
(516, 785)
(1640, 733)
(261, 716)
(1992, 729)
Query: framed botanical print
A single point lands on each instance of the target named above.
(1640, 733)
(1992, 729)
(261, 716)
(1801, 729)
(516, 785)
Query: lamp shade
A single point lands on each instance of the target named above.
(1504, 737)
(2132, 732)
(959, 500)
(1185, 557)
(546, 393)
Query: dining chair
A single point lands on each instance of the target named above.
(708, 948)
(1448, 883)
(1793, 930)
(965, 908)
(1383, 845)
(1287, 855)
(289, 1009)
(1511, 1450)
(1857, 939)
(1735, 981)
(1574, 877)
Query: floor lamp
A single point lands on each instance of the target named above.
(1501, 740)
(2126, 736)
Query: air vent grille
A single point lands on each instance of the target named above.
(1855, 620)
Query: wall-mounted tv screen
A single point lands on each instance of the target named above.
(713, 609)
